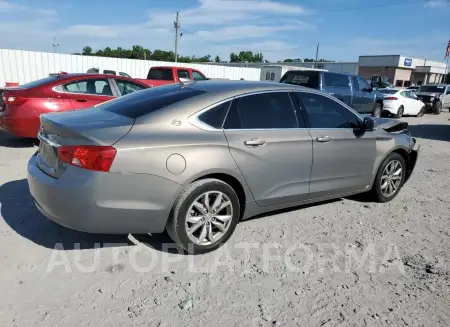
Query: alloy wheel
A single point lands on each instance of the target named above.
(391, 178)
(208, 218)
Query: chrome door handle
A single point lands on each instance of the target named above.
(253, 143)
(323, 139)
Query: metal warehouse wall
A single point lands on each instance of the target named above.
(26, 66)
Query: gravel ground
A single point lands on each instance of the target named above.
(347, 262)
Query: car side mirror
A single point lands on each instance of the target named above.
(368, 124)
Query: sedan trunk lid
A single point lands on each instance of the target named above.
(79, 127)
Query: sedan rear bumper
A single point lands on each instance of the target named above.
(107, 203)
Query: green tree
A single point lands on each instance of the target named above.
(87, 51)
(246, 56)
(217, 59)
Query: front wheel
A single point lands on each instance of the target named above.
(376, 112)
(389, 179)
(437, 108)
(421, 112)
(204, 216)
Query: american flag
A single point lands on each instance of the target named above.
(447, 52)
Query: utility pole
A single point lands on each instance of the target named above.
(317, 55)
(176, 24)
(55, 45)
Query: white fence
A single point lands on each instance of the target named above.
(25, 66)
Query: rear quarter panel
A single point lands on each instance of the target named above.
(181, 153)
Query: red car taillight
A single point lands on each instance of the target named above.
(91, 157)
(14, 99)
(391, 98)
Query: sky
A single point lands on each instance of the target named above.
(279, 29)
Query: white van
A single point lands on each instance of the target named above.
(275, 72)
(106, 71)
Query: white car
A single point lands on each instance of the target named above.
(402, 102)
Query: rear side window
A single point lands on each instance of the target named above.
(336, 80)
(183, 74)
(138, 104)
(163, 74)
(302, 78)
(214, 117)
(270, 110)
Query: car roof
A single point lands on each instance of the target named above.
(72, 75)
(227, 88)
(440, 85)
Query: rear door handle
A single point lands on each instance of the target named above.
(253, 143)
(323, 139)
(81, 100)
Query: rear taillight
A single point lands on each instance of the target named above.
(391, 98)
(14, 99)
(91, 157)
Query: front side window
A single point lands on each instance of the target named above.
(326, 113)
(127, 87)
(363, 85)
(89, 86)
(267, 111)
(197, 76)
(336, 80)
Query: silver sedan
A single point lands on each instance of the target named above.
(196, 158)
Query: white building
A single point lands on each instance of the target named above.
(403, 70)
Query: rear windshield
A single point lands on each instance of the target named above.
(302, 78)
(388, 91)
(163, 74)
(143, 102)
(432, 88)
(39, 82)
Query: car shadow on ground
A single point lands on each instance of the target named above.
(19, 212)
(9, 141)
(431, 132)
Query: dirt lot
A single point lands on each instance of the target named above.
(347, 262)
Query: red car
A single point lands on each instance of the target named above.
(21, 106)
(164, 75)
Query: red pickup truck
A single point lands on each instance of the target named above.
(170, 75)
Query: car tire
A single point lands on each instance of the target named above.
(380, 190)
(178, 225)
(400, 112)
(437, 108)
(377, 109)
(421, 112)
